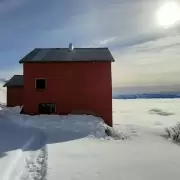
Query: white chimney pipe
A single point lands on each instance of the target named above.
(71, 47)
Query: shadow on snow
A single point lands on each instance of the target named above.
(14, 137)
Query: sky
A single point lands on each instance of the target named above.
(145, 52)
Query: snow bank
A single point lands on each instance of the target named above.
(85, 125)
(60, 149)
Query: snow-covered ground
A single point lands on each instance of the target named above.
(2, 94)
(76, 147)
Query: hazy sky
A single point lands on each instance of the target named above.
(145, 52)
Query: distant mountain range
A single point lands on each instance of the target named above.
(147, 89)
(146, 96)
(146, 92)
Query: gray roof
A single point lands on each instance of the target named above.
(15, 81)
(66, 55)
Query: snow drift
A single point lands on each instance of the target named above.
(74, 126)
(49, 147)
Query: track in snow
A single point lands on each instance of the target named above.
(14, 167)
(36, 163)
(29, 164)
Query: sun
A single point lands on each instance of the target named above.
(168, 15)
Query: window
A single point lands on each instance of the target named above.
(47, 108)
(40, 84)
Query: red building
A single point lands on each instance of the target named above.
(15, 90)
(67, 80)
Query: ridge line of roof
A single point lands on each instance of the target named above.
(75, 48)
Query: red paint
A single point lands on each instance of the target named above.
(72, 86)
(14, 96)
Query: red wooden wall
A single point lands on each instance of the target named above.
(14, 96)
(72, 86)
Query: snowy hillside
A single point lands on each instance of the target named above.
(76, 147)
(2, 92)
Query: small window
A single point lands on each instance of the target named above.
(47, 108)
(40, 84)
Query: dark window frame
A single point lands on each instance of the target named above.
(40, 89)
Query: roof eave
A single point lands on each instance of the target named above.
(57, 61)
(13, 86)
(5, 85)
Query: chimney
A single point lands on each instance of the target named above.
(71, 47)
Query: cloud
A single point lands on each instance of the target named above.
(153, 62)
(85, 22)
(9, 5)
(102, 25)
(144, 53)
(107, 41)
(7, 73)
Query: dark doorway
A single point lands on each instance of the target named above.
(47, 108)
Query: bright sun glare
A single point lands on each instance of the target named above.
(168, 15)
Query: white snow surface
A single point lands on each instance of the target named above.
(76, 146)
(2, 94)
